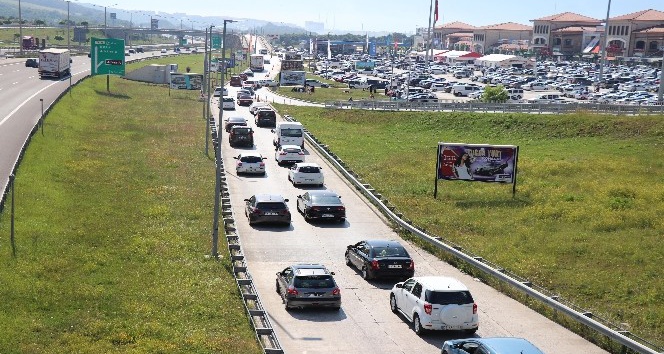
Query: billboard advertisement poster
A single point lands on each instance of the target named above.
(291, 78)
(477, 162)
(186, 81)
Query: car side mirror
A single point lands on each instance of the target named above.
(332, 273)
(399, 285)
(272, 130)
(264, 158)
(246, 200)
(236, 157)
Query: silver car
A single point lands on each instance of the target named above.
(308, 285)
(250, 162)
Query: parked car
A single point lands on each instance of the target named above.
(241, 135)
(435, 303)
(304, 173)
(308, 285)
(288, 154)
(233, 121)
(250, 162)
(228, 103)
(267, 208)
(504, 345)
(321, 205)
(380, 258)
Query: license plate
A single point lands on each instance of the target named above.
(394, 265)
(271, 213)
(327, 215)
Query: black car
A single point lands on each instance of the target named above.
(241, 135)
(233, 121)
(32, 63)
(322, 205)
(380, 258)
(267, 208)
(266, 118)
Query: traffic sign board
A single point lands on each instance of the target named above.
(108, 56)
(216, 42)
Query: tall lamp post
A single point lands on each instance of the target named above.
(603, 44)
(105, 15)
(217, 184)
(20, 29)
(68, 45)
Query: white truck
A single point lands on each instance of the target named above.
(256, 63)
(54, 63)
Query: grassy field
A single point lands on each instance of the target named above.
(588, 215)
(113, 222)
(336, 92)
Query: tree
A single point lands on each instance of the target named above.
(84, 23)
(58, 38)
(495, 94)
(39, 23)
(62, 23)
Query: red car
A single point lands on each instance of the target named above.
(245, 100)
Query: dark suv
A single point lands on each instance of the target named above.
(32, 63)
(267, 208)
(266, 118)
(241, 135)
(308, 285)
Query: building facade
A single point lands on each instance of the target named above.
(488, 38)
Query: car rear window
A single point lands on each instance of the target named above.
(271, 206)
(389, 252)
(310, 169)
(291, 132)
(313, 281)
(292, 151)
(324, 199)
(449, 297)
(251, 159)
(242, 131)
(269, 114)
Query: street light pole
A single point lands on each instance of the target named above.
(217, 184)
(604, 43)
(68, 46)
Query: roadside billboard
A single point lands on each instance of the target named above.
(186, 81)
(477, 162)
(292, 78)
(292, 65)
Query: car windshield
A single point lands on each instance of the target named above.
(380, 252)
(449, 297)
(309, 169)
(325, 199)
(291, 132)
(314, 282)
(271, 206)
(251, 159)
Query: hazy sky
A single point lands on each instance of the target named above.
(386, 15)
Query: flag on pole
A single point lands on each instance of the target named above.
(311, 45)
(435, 13)
(329, 50)
(367, 41)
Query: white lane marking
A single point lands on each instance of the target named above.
(24, 102)
(14, 83)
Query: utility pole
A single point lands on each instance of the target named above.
(20, 29)
(603, 44)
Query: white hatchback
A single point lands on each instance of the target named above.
(289, 154)
(250, 163)
(306, 173)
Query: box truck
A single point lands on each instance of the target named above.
(54, 63)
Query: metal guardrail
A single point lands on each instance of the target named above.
(472, 106)
(252, 303)
(555, 302)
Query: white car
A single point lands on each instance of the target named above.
(163, 51)
(257, 105)
(437, 86)
(220, 91)
(306, 173)
(250, 162)
(435, 303)
(228, 103)
(289, 154)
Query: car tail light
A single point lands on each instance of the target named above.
(341, 208)
(239, 164)
(474, 309)
(262, 164)
(315, 208)
(292, 291)
(374, 264)
(282, 153)
(256, 211)
(336, 291)
(427, 308)
(411, 265)
(301, 153)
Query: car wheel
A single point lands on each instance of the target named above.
(307, 218)
(337, 308)
(393, 304)
(277, 287)
(286, 305)
(417, 325)
(471, 331)
(348, 262)
(365, 273)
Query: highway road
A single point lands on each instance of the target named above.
(365, 323)
(20, 94)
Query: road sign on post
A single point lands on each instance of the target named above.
(216, 42)
(107, 56)
(183, 41)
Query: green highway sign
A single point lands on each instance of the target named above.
(107, 56)
(183, 41)
(216, 42)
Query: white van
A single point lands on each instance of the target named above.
(515, 93)
(464, 89)
(547, 98)
(288, 133)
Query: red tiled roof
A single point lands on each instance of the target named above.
(460, 34)
(645, 15)
(457, 25)
(567, 17)
(656, 29)
(508, 26)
